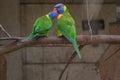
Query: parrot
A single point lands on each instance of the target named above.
(42, 25)
(66, 25)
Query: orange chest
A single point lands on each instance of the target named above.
(59, 16)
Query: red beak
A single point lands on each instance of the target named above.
(55, 9)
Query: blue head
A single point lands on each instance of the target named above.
(52, 14)
(60, 8)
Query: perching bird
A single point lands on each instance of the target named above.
(66, 25)
(42, 25)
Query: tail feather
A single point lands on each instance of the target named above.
(76, 49)
(31, 36)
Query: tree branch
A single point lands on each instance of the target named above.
(53, 41)
(69, 60)
(5, 31)
(11, 38)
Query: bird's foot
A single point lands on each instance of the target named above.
(41, 36)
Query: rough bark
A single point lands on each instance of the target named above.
(57, 41)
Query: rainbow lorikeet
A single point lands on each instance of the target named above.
(42, 25)
(66, 25)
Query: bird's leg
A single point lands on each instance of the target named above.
(45, 34)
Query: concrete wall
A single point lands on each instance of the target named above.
(109, 63)
(46, 63)
(31, 12)
(9, 18)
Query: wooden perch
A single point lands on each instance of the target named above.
(53, 41)
(11, 38)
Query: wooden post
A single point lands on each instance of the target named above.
(3, 68)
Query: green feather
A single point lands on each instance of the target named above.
(41, 27)
(31, 36)
(66, 25)
(76, 49)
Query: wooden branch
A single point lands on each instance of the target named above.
(53, 41)
(68, 63)
(12, 38)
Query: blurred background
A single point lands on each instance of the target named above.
(46, 63)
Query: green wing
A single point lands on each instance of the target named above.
(41, 27)
(66, 26)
